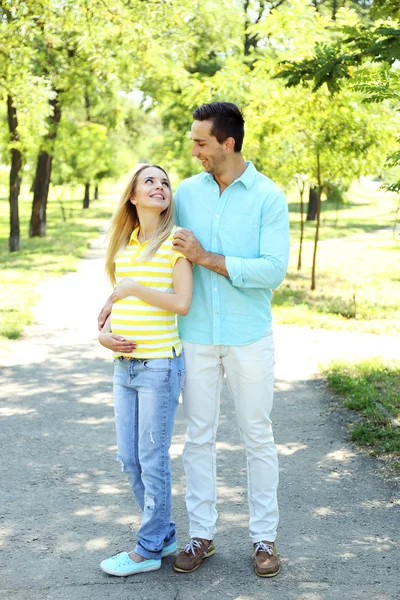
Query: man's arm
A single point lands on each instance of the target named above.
(186, 242)
(267, 271)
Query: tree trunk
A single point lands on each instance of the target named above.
(251, 39)
(96, 191)
(60, 197)
(337, 209)
(37, 226)
(312, 204)
(86, 200)
(334, 9)
(314, 264)
(15, 177)
(301, 190)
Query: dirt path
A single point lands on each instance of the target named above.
(65, 505)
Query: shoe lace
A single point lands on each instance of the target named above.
(263, 547)
(191, 546)
(120, 559)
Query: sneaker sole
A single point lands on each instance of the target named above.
(178, 570)
(126, 574)
(168, 552)
(267, 574)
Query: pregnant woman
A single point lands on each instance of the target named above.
(153, 283)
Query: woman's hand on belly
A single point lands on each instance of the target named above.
(126, 287)
(117, 343)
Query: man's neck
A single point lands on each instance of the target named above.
(232, 171)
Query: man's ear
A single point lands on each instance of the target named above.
(229, 144)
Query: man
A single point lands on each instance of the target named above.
(236, 232)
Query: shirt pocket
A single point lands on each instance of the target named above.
(238, 231)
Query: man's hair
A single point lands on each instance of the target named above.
(227, 121)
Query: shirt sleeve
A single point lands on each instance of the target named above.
(176, 205)
(175, 253)
(269, 270)
(175, 257)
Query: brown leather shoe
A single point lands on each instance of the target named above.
(266, 559)
(192, 555)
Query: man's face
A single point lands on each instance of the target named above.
(206, 147)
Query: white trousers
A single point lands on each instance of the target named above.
(250, 376)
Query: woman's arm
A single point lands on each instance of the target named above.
(114, 342)
(104, 313)
(107, 325)
(177, 301)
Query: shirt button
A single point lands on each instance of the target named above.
(215, 239)
(215, 289)
(216, 216)
(215, 313)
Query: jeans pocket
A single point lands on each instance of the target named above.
(160, 365)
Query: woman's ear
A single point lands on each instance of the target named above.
(133, 199)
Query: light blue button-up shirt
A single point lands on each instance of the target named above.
(248, 224)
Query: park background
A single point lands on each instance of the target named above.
(89, 89)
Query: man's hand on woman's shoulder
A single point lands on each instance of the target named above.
(186, 242)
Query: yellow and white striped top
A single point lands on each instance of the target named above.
(154, 329)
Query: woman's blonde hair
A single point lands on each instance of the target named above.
(125, 220)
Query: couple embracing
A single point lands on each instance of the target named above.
(215, 269)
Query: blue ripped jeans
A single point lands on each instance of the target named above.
(146, 393)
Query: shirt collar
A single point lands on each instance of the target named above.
(134, 235)
(247, 177)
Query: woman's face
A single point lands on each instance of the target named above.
(153, 192)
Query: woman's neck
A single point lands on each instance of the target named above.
(147, 226)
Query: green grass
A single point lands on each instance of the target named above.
(371, 388)
(358, 270)
(366, 209)
(39, 258)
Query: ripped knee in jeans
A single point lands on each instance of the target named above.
(149, 502)
(126, 467)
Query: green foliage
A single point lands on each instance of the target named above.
(371, 388)
(364, 54)
(29, 91)
(84, 153)
(172, 56)
(329, 66)
(335, 193)
(334, 63)
(41, 258)
(301, 132)
(386, 8)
